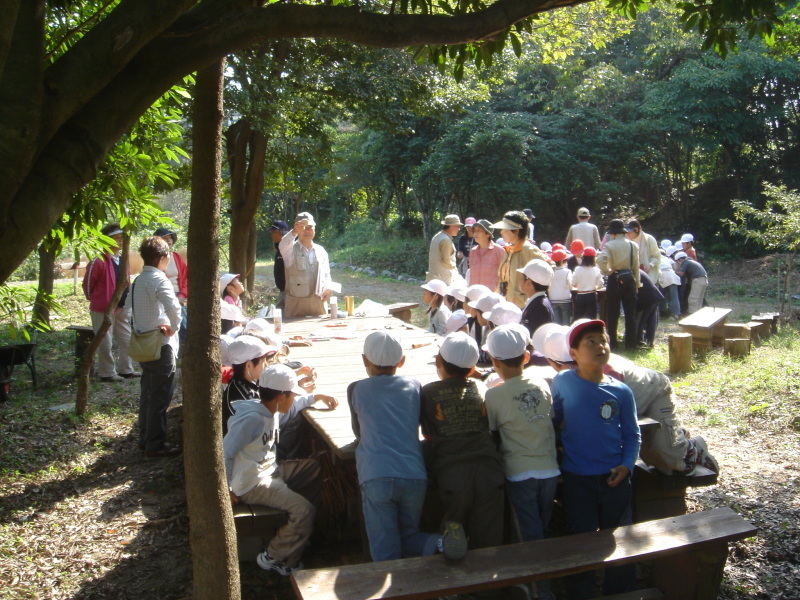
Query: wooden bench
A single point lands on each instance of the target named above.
(656, 495)
(402, 310)
(706, 326)
(255, 526)
(687, 555)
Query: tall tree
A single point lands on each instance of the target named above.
(63, 105)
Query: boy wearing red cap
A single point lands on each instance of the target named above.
(587, 279)
(600, 437)
(560, 291)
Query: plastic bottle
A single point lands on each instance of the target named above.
(277, 320)
(334, 307)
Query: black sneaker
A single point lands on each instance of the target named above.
(453, 542)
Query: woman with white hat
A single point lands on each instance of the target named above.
(519, 252)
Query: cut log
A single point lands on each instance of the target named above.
(736, 330)
(737, 347)
(680, 352)
(756, 329)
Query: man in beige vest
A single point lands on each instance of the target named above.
(308, 272)
(442, 253)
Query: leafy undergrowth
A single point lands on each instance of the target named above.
(83, 516)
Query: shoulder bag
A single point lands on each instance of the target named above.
(625, 276)
(143, 347)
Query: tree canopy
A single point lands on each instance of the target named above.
(76, 74)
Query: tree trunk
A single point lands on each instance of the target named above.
(47, 265)
(212, 536)
(82, 393)
(247, 150)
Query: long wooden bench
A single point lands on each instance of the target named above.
(255, 526)
(687, 555)
(656, 495)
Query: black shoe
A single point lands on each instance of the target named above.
(132, 375)
(165, 451)
(454, 541)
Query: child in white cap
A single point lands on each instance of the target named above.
(255, 477)
(434, 298)
(520, 410)
(536, 277)
(463, 456)
(247, 356)
(385, 412)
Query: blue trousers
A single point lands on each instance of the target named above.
(590, 504)
(392, 508)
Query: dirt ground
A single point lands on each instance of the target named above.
(82, 516)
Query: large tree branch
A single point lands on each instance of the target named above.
(210, 30)
(20, 101)
(108, 47)
(9, 10)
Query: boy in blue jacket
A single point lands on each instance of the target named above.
(600, 436)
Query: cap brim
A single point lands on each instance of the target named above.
(577, 329)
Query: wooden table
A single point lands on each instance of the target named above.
(338, 363)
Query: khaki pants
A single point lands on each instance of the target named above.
(295, 487)
(310, 306)
(120, 330)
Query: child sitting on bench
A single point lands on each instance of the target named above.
(255, 478)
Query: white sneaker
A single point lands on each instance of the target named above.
(266, 562)
(703, 457)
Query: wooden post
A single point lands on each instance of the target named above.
(756, 327)
(680, 352)
(736, 330)
(737, 347)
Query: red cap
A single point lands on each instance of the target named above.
(558, 256)
(576, 247)
(559, 247)
(579, 326)
(589, 251)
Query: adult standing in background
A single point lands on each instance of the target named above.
(465, 245)
(155, 306)
(442, 253)
(619, 259)
(529, 213)
(308, 271)
(485, 257)
(276, 232)
(99, 284)
(649, 255)
(583, 230)
(178, 275)
(695, 277)
(519, 252)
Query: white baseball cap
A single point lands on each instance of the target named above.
(583, 212)
(666, 244)
(686, 238)
(672, 250)
(457, 292)
(507, 341)
(224, 342)
(235, 332)
(383, 348)
(307, 217)
(474, 292)
(555, 345)
(539, 271)
(225, 279)
(437, 286)
(540, 334)
(460, 349)
(504, 313)
(456, 321)
(486, 303)
(246, 347)
(258, 325)
(230, 312)
(281, 378)
(546, 247)
(681, 255)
